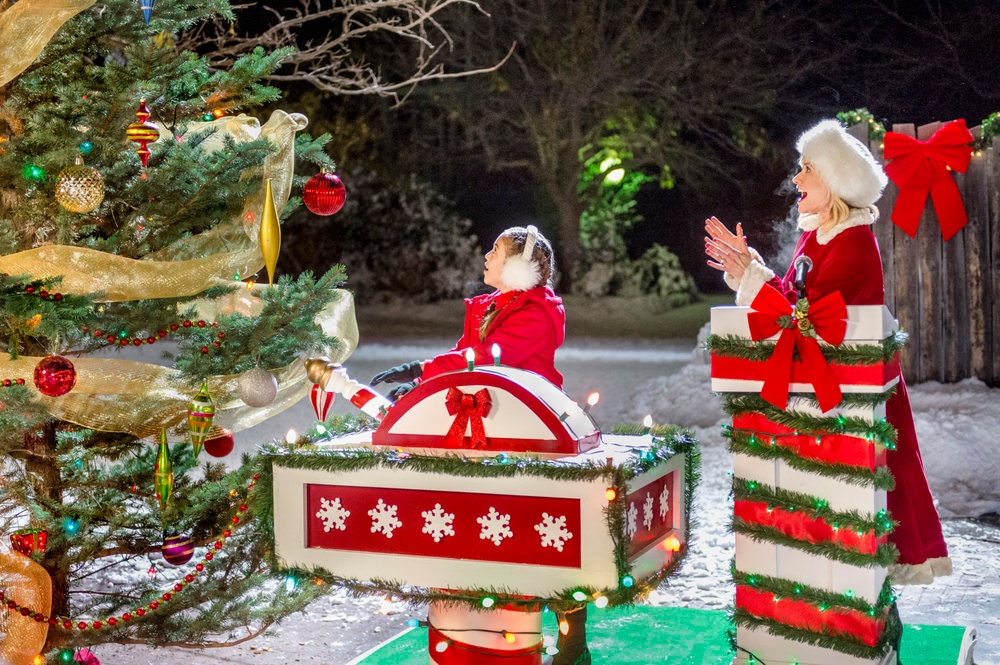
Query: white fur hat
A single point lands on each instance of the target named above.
(520, 272)
(844, 163)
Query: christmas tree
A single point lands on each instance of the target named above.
(139, 211)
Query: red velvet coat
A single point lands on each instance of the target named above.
(528, 327)
(850, 263)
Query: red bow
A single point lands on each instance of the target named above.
(468, 408)
(920, 168)
(799, 326)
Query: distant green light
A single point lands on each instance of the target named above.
(614, 177)
(609, 163)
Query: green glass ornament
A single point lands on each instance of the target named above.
(163, 475)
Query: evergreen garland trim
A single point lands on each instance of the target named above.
(502, 465)
(845, 354)
(815, 596)
(667, 442)
(736, 403)
(838, 642)
(885, 554)
(817, 508)
(881, 478)
(562, 601)
(880, 431)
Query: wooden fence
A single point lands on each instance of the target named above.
(946, 295)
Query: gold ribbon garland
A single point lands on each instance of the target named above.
(115, 395)
(22, 578)
(27, 26)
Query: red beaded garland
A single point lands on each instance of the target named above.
(160, 334)
(127, 616)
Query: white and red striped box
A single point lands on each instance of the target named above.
(866, 325)
(528, 534)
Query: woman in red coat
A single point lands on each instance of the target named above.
(523, 317)
(839, 183)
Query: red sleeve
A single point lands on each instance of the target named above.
(520, 334)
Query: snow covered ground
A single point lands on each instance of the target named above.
(958, 426)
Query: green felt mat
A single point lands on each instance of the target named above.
(644, 635)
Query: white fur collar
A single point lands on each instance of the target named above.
(858, 217)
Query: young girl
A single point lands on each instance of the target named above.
(523, 316)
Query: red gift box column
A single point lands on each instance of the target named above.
(791, 548)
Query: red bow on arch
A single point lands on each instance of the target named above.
(920, 168)
(799, 325)
(468, 409)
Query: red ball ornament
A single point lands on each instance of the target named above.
(221, 445)
(54, 376)
(324, 194)
(177, 550)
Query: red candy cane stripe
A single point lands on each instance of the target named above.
(802, 527)
(833, 449)
(840, 621)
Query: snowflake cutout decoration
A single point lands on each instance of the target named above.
(333, 515)
(553, 531)
(496, 527)
(631, 518)
(647, 512)
(438, 523)
(384, 518)
(664, 504)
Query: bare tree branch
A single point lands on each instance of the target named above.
(333, 42)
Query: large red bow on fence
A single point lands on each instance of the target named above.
(799, 326)
(468, 409)
(920, 168)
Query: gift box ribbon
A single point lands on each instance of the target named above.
(468, 409)
(922, 168)
(827, 317)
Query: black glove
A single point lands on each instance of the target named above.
(401, 390)
(399, 373)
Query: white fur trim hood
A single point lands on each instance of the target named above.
(845, 163)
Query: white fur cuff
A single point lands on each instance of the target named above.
(754, 278)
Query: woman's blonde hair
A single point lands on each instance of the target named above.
(840, 210)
